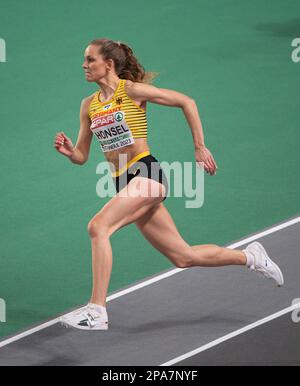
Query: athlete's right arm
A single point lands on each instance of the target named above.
(82, 147)
(79, 153)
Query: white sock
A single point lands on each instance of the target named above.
(97, 307)
(250, 258)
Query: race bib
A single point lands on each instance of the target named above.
(112, 131)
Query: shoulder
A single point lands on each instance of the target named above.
(129, 87)
(89, 98)
(137, 90)
(85, 103)
(144, 92)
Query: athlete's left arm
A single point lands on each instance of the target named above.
(146, 92)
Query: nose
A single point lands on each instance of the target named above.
(84, 66)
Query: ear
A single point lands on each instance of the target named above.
(109, 64)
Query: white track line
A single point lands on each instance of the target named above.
(153, 280)
(232, 335)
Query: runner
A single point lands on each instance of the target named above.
(116, 116)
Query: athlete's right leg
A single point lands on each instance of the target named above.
(126, 207)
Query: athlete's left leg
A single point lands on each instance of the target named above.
(159, 229)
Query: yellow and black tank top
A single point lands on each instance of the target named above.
(117, 122)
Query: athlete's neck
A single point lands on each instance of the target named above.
(108, 86)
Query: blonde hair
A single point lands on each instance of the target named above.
(126, 64)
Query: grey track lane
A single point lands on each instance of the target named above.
(276, 343)
(171, 317)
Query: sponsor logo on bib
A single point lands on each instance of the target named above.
(119, 116)
(112, 131)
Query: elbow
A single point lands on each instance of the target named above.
(188, 102)
(76, 161)
(78, 158)
(83, 161)
(82, 156)
(191, 101)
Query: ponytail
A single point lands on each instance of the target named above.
(127, 65)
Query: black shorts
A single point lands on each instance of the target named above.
(148, 167)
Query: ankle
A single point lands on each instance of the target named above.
(98, 306)
(249, 258)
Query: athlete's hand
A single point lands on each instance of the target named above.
(205, 159)
(63, 144)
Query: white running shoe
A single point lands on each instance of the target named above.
(86, 318)
(263, 264)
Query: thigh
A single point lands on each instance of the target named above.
(159, 229)
(127, 206)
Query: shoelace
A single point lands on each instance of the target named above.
(81, 310)
(262, 271)
(87, 313)
(258, 269)
(93, 313)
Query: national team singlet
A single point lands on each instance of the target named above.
(117, 122)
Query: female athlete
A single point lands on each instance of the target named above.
(116, 116)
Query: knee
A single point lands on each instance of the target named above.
(97, 228)
(183, 260)
(183, 263)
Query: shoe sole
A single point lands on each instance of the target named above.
(77, 327)
(260, 246)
